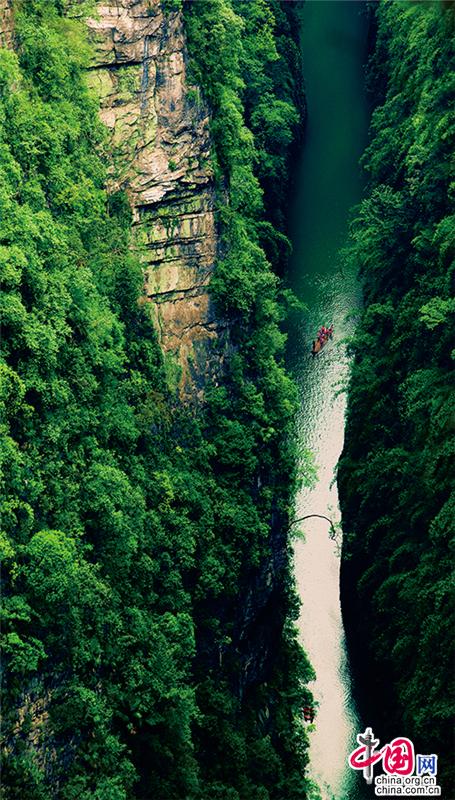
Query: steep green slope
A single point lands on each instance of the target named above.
(147, 599)
(396, 473)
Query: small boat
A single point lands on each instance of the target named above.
(321, 340)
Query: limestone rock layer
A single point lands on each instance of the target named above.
(6, 23)
(160, 154)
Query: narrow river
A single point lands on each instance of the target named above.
(329, 183)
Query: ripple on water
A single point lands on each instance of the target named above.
(328, 184)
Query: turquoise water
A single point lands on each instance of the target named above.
(328, 184)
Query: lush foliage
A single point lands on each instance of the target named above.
(137, 538)
(241, 53)
(246, 60)
(396, 474)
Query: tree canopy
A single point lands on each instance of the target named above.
(135, 531)
(395, 476)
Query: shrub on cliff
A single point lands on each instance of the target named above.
(395, 476)
(131, 528)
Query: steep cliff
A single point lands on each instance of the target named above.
(161, 155)
(6, 23)
(148, 598)
(395, 474)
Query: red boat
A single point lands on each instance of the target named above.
(324, 335)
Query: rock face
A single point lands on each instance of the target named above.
(160, 146)
(6, 23)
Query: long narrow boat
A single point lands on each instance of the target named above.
(319, 345)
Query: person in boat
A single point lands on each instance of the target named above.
(330, 331)
(308, 714)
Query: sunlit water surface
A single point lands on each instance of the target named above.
(328, 185)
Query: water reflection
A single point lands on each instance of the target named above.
(317, 563)
(329, 183)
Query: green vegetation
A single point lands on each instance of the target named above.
(396, 473)
(148, 654)
(236, 51)
(245, 58)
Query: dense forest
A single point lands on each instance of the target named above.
(135, 529)
(396, 473)
(148, 636)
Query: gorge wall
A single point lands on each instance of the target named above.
(160, 152)
(6, 23)
(147, 594)
(395, 479)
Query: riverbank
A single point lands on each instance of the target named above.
(396, 474)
